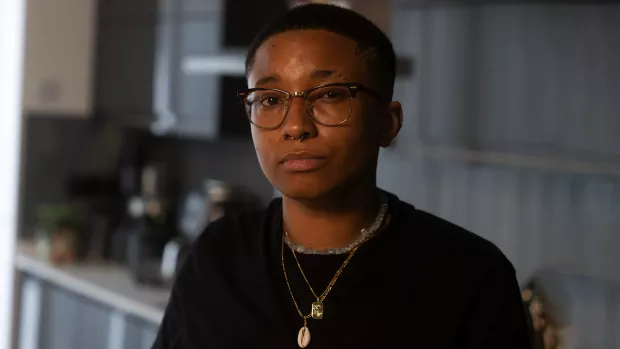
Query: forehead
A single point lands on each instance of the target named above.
(305, 55)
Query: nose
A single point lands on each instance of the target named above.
(298, 123)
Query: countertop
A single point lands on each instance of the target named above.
(111, 285)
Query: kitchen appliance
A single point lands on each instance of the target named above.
(149, 224)
(213, 200)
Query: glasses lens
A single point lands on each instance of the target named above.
(266, 107)
(330, 105)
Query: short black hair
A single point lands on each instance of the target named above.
(371, 41)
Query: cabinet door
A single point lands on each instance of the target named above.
(72, 322)
(201, 7)
(209, 107)
(197, 106)
(243, 19)
(149, 334)
(191, 99)
(199, 36)
(198, 97)
(128, 10)
(139, 334)
(125, 72)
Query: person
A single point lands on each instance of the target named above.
(336, 262)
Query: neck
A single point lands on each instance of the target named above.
(330, 222)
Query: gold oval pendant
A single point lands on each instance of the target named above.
(303, 338)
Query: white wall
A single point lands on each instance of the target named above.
(11, 41)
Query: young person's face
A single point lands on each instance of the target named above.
(340, 156)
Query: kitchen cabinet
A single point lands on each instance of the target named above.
(202, 7)
(140, 82)
(91, 305)
(243, 19)
(59, 49)
(193, 100)
(129, 11)
(72, 322)
(125, 73)
(139, 334)
(125, 61)
(142, 50)
(198, 36)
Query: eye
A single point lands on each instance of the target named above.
(332, 95)
(265, 99)
(269, 101)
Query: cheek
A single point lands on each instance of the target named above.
(363, 142)
(353, 147)
(265, 144)
(364, 133)
(261, 145)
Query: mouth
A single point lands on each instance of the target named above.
(303, 162)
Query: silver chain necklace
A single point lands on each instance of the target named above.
(365, 235)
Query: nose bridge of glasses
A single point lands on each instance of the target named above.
(300, 116)
(302, 96)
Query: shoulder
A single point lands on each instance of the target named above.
(236, 233)
(455, 238)
(451, 245)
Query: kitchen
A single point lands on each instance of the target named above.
(130, 157)
(134, 140)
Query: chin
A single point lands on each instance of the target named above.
(303, 188)
(302, 194)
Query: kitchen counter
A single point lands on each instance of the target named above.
(84, 305)
(111, 285)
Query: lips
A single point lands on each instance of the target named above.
(303, 161)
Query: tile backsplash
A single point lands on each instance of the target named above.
(55, 149)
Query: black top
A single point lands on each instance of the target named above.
(421, 282)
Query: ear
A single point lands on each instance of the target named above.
(393, 124)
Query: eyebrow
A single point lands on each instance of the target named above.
(316, 74)
(267, 79)
(325, 73)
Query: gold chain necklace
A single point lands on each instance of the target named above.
(303, 337)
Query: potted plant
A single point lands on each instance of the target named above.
(59, 230)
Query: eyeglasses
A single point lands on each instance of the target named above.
(328, 104)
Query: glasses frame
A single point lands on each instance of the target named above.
(353, 88)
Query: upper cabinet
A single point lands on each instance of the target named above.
(144, 51)
(58, 57)
(125, 67)
(243, 19)
(204, 7)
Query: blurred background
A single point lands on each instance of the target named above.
(132, 140)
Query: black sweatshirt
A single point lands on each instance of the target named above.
(421, 282)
